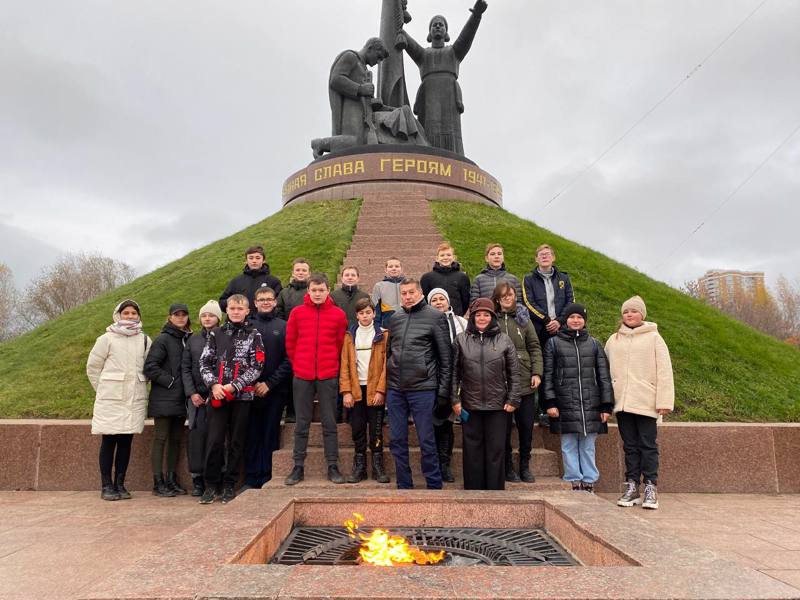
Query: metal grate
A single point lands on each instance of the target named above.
(506, 547)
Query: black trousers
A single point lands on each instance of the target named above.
(263, 437)
(445, 440)
(196, 440)
(638, 433)
(524, 417)
(229, 419)
(363, 418)
(484, 450)
(167, 433)
(121, 442)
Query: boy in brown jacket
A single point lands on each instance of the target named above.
(362, 383)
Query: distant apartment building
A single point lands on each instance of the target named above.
(722, 287)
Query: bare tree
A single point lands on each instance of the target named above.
(788, 297)
(691, 288)
(8, 303)
(73, 280)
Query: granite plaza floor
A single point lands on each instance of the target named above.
(62, 544)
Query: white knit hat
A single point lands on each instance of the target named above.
(441, 291)
(212, 306)
(635, 303)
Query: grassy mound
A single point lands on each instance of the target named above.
(43, 373)
(724, 370)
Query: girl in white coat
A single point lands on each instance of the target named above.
(114, 369)
(641, 373)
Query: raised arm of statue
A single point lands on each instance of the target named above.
(464, 42)
(410, 45)
(340, 77)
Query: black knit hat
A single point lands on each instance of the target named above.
(575, 309)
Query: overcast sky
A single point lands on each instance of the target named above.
(146, 129)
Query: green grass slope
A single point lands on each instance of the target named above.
(42, 374)
(724, 370)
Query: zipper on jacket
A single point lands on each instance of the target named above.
(580, 385)
(483, 378)
(403, 349)
(316, 346)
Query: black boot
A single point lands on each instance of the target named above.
(108, 491)
(197, 486)
(444, 467)
(160, 487)
(119, 485)
(511, 474)
(525, 473)
(334, 475)
(359, 469)
(378, 472)
(172, 482)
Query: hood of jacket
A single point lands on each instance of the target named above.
(298, 285)
(645, 327)
(398, 279)
(519, 313)
(492, 330)
(349, 289)
(265, 316)
(116, 317)
(170, 329)
(454, 266)
(263, 270)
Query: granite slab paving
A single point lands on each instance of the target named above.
(72, 545)
(755, 530)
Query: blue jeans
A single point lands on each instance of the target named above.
(577, 452)
(420, 406)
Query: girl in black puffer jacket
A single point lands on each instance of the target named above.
(167, 403)
(578, 396)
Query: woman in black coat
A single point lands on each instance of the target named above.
(167, 402)
(578, 396)
(485, 388)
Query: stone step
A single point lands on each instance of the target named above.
(344, 435)
(368, 258)
(412, 244)
(316, 481)
(544, 462)
(387, 215)
(420, 228)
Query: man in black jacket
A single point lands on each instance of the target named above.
(255, 274)
(418, 370)
(271, 388)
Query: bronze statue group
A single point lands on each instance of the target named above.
(442, 352)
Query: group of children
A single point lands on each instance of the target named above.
(287, 347)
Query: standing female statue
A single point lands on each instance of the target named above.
(438, 104)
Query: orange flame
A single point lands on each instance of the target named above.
(382, 549)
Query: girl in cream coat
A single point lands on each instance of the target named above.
(641, 373)
(114, 369)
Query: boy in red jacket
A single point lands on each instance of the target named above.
(314, 337)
